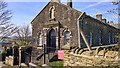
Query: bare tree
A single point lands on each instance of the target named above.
(6, 28)
(115, 10)
(115, 2)
(24, 35)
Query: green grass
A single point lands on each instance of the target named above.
(56, 64)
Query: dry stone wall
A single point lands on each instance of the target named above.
(9, 60)
(86, 58)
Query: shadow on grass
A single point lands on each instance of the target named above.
(54, 58)
(55, 62)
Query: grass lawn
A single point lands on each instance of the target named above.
(57, 64)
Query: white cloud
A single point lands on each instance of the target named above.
(95, 4)
(92, 5)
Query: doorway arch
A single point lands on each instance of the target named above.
(52, 40)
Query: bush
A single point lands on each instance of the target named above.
(2, 56)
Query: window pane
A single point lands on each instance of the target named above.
(66, 37)
(90, 38)
(40, 40)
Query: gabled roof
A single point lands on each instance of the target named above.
(60, 5)
(73, 10)
(39, 13)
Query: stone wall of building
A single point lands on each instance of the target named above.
(9, 60)
(66, 16)
(99, 30)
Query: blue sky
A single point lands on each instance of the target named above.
(24, 12)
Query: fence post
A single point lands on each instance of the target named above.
(20, 56)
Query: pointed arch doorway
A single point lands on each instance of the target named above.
(52, 40)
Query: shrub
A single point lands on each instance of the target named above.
(2, 56)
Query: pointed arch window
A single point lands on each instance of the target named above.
(100, 37)
(113, 37)
(91, 39)
(39, 39)
(66, 37)
(52, 12)
(109, 37)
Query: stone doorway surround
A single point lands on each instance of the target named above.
(48, 27)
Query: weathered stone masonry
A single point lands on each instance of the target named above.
(59, 25)
(65, 19)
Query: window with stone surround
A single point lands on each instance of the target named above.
(52, 12)
(109, 37)
(91, 39)
(39, 39)
(66, 37)
(113, 38)
(100, 37)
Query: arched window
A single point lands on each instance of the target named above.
(66, 37)
(113, 37)
(100, 38)
(39, 39)
(91, 39)
(109, 37)
(52, 12)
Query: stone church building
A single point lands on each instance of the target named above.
(58, 25)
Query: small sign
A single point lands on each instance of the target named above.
(61, 54)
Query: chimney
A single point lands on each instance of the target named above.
(69, 3)
(58, 1)
(104, 20)
(111, 22)
(99, 17)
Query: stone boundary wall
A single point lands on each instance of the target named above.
(9, 60)
(86, 58)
